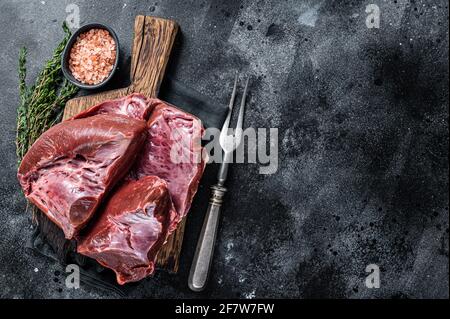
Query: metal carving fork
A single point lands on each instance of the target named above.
(198, 275)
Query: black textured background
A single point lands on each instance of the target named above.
(363, 144)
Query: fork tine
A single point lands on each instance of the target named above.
(233, 94)
(226, 124)
(241, 109)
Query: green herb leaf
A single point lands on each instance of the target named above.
(41, 105)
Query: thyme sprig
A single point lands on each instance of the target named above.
(41, 105)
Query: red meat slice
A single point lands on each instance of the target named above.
(157, 193)
(135, 105)
(173, 152)
(131, 229)
(71, 167)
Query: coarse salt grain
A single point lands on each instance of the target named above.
(92, 56)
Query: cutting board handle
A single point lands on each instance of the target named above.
(153, 41)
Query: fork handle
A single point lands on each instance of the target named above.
(198, 275)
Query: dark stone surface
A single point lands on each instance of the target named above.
(363, 145)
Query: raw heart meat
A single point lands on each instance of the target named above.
(130, 229)
(135, 105)
(173, 148)
(70, 168)
(173, 152)
(156, 194)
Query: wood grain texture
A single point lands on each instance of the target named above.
(153, 41)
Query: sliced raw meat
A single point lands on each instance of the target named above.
(173, 152)
(70, 168)
(130, 229)
(135, 105)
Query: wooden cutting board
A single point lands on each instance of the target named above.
(153, 41)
